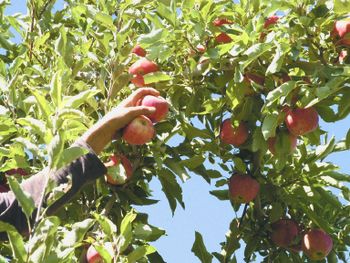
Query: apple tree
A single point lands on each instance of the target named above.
(247, 83)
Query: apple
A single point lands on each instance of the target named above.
(271, 21)
(222, 21)
(317, 244)
(223, 38)
(17, 171)
(342, 56)
(243, 188)
(201, 48)
(341, 31)
(292, 143)
(139, 131)
(301, 121)
(138, 80)
(161, 105)
(92, 255)
(284, 231)
(3, 189)
(143, 66)
(251, 77)
(233, 135)
(138, 50)
(119, 170)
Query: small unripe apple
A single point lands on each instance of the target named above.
(138, 80)
(222, 21)
(119, 170)
(284, 231)
(302, 121)
(271, 21)
(138, 50)
(243, 188)
(161, 105)
(139, 131)
(317, 244)
(143, 66)
(233, 135)
(223, 38)
(292, 142)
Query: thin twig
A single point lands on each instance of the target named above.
(243, 215)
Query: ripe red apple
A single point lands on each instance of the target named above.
(17, 171)
(243, 188)
(222, 21)
(201, 48)
(139, 131)
(119, 170)
(233, 135)
(161, 105)
(341, 31)
(92, 256)
(292, 143)
(143, 66)
(251, 77)
(138, 50)
(342, 56)
(284, 231)
(317, 244)
(223, 38)
(271, 21)
(301, 121)
(138, 81)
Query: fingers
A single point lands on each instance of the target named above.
(141, 110)
(140, 93)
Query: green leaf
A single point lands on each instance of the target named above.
(140, 252)
(269, 125)
(77, 233)
(152, 37)
(147, 232)
(253, 53)
(126, 230)
(16, 242)
(278, 59)
(280, 92)
(200, 250)
(24, 199)
(71, 154)
(108, 227)
(105, 20)
(55, 150)
(220, 194)
(156, 77)
(56, 88)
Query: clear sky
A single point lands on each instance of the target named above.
(204, 213)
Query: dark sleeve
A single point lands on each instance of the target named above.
(83, 170)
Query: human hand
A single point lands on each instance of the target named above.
(99, 135)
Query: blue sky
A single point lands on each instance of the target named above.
(203, 213)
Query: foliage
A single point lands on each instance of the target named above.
(70, 68)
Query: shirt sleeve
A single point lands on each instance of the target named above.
(83, 170)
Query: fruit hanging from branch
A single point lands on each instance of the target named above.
(317, 244)
(161, 105)
(301, 121)
(243, 188)
(119, 169)
(284, 232)
(233, 135)
(139, 131)
(138, 50)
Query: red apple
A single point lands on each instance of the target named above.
(223, 38)
(201, 48)
(138, 81)
(271, 21)
(284, 231)
(251, 77)
(119, 170)
(233, 135)
(301, 121)
(139, 131)
(341, 31)
(161, 105)
(317, 244)
(143, 66)
(92, 256)
(342, 56)
(243, 188)
(138, 50)
(292, 143)
(222, 21)
(17, 171)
